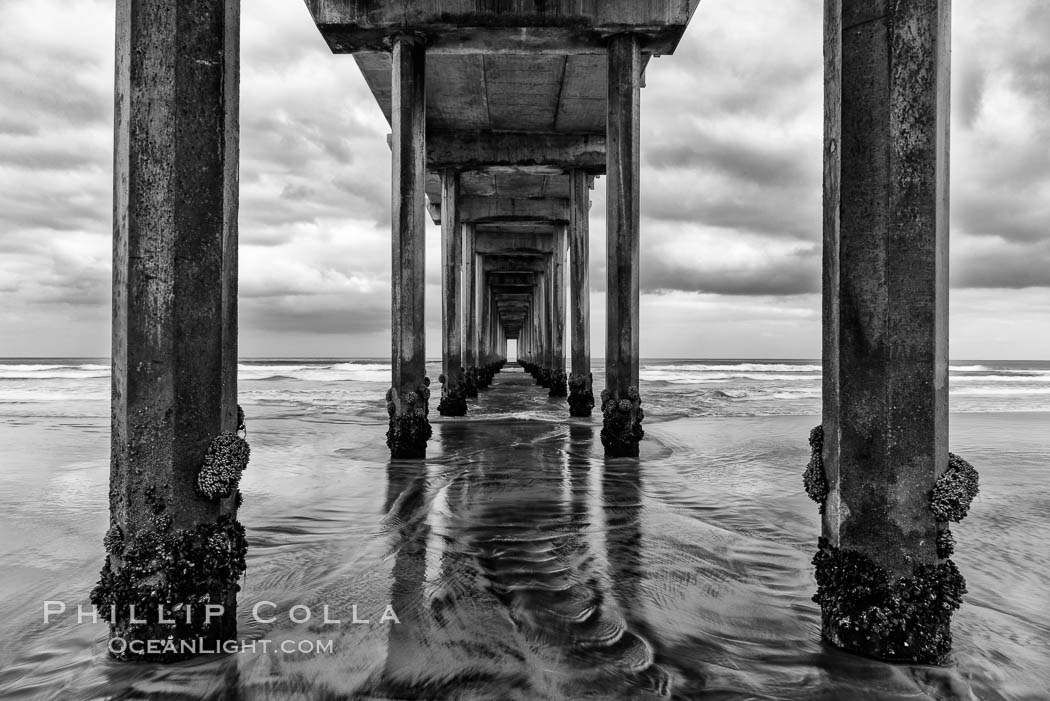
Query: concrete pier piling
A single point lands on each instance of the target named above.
(558, 378)
(175, 455)
(453, 391)
(581, 391)
(408, 399)
(621, 403)
(470, 311)
(885, 585)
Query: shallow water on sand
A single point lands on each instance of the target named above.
(521, 563)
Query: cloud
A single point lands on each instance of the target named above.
(731, 182)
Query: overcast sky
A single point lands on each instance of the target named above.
(731, 190)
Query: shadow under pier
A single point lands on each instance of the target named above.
(505, 578)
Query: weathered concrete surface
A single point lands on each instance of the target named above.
(581, 396)
(559, 380)
(498, 209)
(408, 422)
(453, 393)
(485, 321)
(885, 281)
(470, 309)
(624, 223)
(524, 26)
(493, 150)
(174, 350)
(513, 245)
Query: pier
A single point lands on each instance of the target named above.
(501, 115)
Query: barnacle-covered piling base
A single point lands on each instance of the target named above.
(470, 382)
(622, 423)
(581, 397)
(453, 398)
(903, 620)
(485, 375)
(162, 587)
(409, 427)
(558, 384)
(533, 369)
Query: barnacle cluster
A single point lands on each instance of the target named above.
(905, 619)
(945, 544)
(559, 384)
(581, 398)
(954, 490)
(487, 372)
(240, 420)
(622, 423)
(114, 539)
(226, 459)
(533, 369)
(165, 574)
(814, 478)
(453, 398)
(409, 430)
(470, 381)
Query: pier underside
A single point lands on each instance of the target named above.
(502, 114)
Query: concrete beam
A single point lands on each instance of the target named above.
(517, 264)
(512, 279)
(470, 150)
(491, 243)
(885, 392)
(467, 26)
(482, 210)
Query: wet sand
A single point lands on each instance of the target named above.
(522, 564)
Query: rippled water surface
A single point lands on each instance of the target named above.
(520, 562)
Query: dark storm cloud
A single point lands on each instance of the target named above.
(790, 274)
(969, 92)
(1022, 216)
(732, 159)
(324, 316)
(1005, 265)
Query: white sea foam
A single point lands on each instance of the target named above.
(337, 372)
(1000, 391)
(701, 377)
(734, 367)
(14, 372)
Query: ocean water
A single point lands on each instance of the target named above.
(520, 562)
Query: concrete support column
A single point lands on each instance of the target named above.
(884, 439)
(559, 380)
(174, 353)
(525, 344)
(453, 392)
(546, 349)
(408, 399)
(485, 335)
(621, 404)
(581, 393)
(470, 310)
